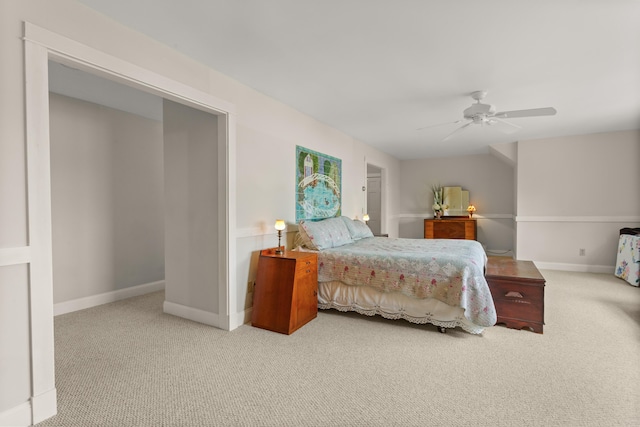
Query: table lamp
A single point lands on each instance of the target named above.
(280, 225)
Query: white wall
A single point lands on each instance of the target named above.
(266, 134)
(576, 193)
(489, 180)
(191, 207)
(107, 199)
(266, 180)
(15, 369)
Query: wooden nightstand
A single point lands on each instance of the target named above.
(517, 288)
(286, 291)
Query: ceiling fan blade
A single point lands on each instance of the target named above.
(441, 124)
(505, 126)
(534, 112)
(460, 129)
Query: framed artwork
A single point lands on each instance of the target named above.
(318, 185)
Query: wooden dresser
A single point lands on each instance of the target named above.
(517, 288)
(450, 228)
(285, 297)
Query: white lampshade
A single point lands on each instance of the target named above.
(280, 224)
(365, 217)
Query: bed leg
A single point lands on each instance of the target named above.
(442, 329)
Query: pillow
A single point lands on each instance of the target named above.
(350, 226)
(303, 239)
(325, 234)
(357, 228)
(362, 230)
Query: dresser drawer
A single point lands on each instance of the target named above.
(306, 267)
(450, 228)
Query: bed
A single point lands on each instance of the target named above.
(437, 281)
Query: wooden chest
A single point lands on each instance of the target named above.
(517, 288)
(450, 228)
(286, 291)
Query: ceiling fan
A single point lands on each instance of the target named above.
(485, 114)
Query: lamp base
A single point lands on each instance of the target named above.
(279, 249)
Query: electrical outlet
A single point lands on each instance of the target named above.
(582, 252)
(249, 287)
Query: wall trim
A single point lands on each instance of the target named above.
(261, 231)
(75, 54)
(17, 416)
(37, 409)
(620, 219)
(535, 218)
(243, 317)
(499, 252)
(429, 215)
(293, 228)
(580, 268)
(43, 405)
(194, 314)
(13, 256)
(106, 297)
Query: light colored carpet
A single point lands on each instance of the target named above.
(128, 364)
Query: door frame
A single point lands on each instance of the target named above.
(40, 46)
(383, 193)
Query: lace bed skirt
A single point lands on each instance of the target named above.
(369, 301)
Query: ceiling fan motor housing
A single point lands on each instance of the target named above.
(479, 111)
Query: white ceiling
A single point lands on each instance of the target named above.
(380, 69)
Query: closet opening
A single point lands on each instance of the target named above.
(41, 47)
(134, 196)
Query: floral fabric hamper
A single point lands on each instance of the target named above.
(628, 258)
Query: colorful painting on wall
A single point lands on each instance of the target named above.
(318, 185)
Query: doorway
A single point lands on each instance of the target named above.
(41, 46)
(374, 198)
(134, 195)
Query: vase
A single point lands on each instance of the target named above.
(438, 214)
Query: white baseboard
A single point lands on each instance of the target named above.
(38, 409)
(238, 319)
(499, 252)
(17, 416)
(107, 297)
(235, 320)
(44, 406)
(581, 268)
(247, 315)
(195, 314)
